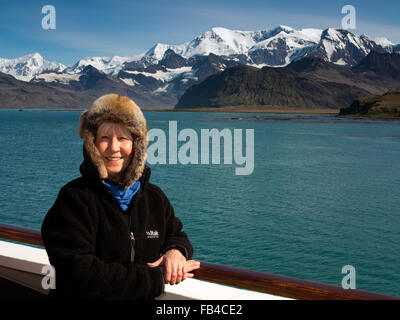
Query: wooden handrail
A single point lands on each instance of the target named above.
(21, 234)
(238, 277)
(281, 285)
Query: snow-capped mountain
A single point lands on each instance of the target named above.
(56, 77)
(278, 46)
(174, 68)
(384, 42)
(25, 67)
(225, 42)
(219, 41)
(283, 45)
(110, 66)
(344, 48)
(168, 70)
(275, 47)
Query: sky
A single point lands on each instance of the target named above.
(131, 27)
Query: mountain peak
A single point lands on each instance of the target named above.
(35, 55)
(90, 69)
(332, 34)
(383, 42)
(284, 28)
(157, 51)
(172, 60)
(26, 67)
(220, 30)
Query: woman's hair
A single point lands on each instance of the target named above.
(114, 128)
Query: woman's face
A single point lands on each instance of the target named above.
(115, 145)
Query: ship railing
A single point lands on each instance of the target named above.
(274, 286)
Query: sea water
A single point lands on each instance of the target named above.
(324, 192)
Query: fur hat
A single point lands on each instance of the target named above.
(122, 110)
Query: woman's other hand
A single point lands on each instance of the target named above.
(176, 267)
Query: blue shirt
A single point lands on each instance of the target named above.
(121, 195)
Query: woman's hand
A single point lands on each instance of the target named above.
(176, 267)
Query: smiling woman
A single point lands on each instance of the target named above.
(111, 234)
(114, 143)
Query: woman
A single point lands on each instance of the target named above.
(111, 234)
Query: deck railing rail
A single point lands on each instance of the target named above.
(237, 277)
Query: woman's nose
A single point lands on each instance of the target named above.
(114, 146)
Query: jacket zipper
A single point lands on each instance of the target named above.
(131, 236)
(132, 246)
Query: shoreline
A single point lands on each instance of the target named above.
(44, 108)
(231, 109)
(252, 109)
(370, 117)
(228, 109)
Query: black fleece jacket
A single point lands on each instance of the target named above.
(88, 239)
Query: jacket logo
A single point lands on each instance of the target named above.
(152, 234)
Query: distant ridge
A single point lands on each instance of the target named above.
(77, 91)
(380, 64)
(306, 83)
(383, 106)
(244, 85)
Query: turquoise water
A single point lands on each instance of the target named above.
(324, 192)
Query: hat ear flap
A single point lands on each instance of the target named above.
(83, 124)
(135, 168)
(89, 144)
(94, 154)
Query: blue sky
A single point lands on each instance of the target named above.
(125, 28)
